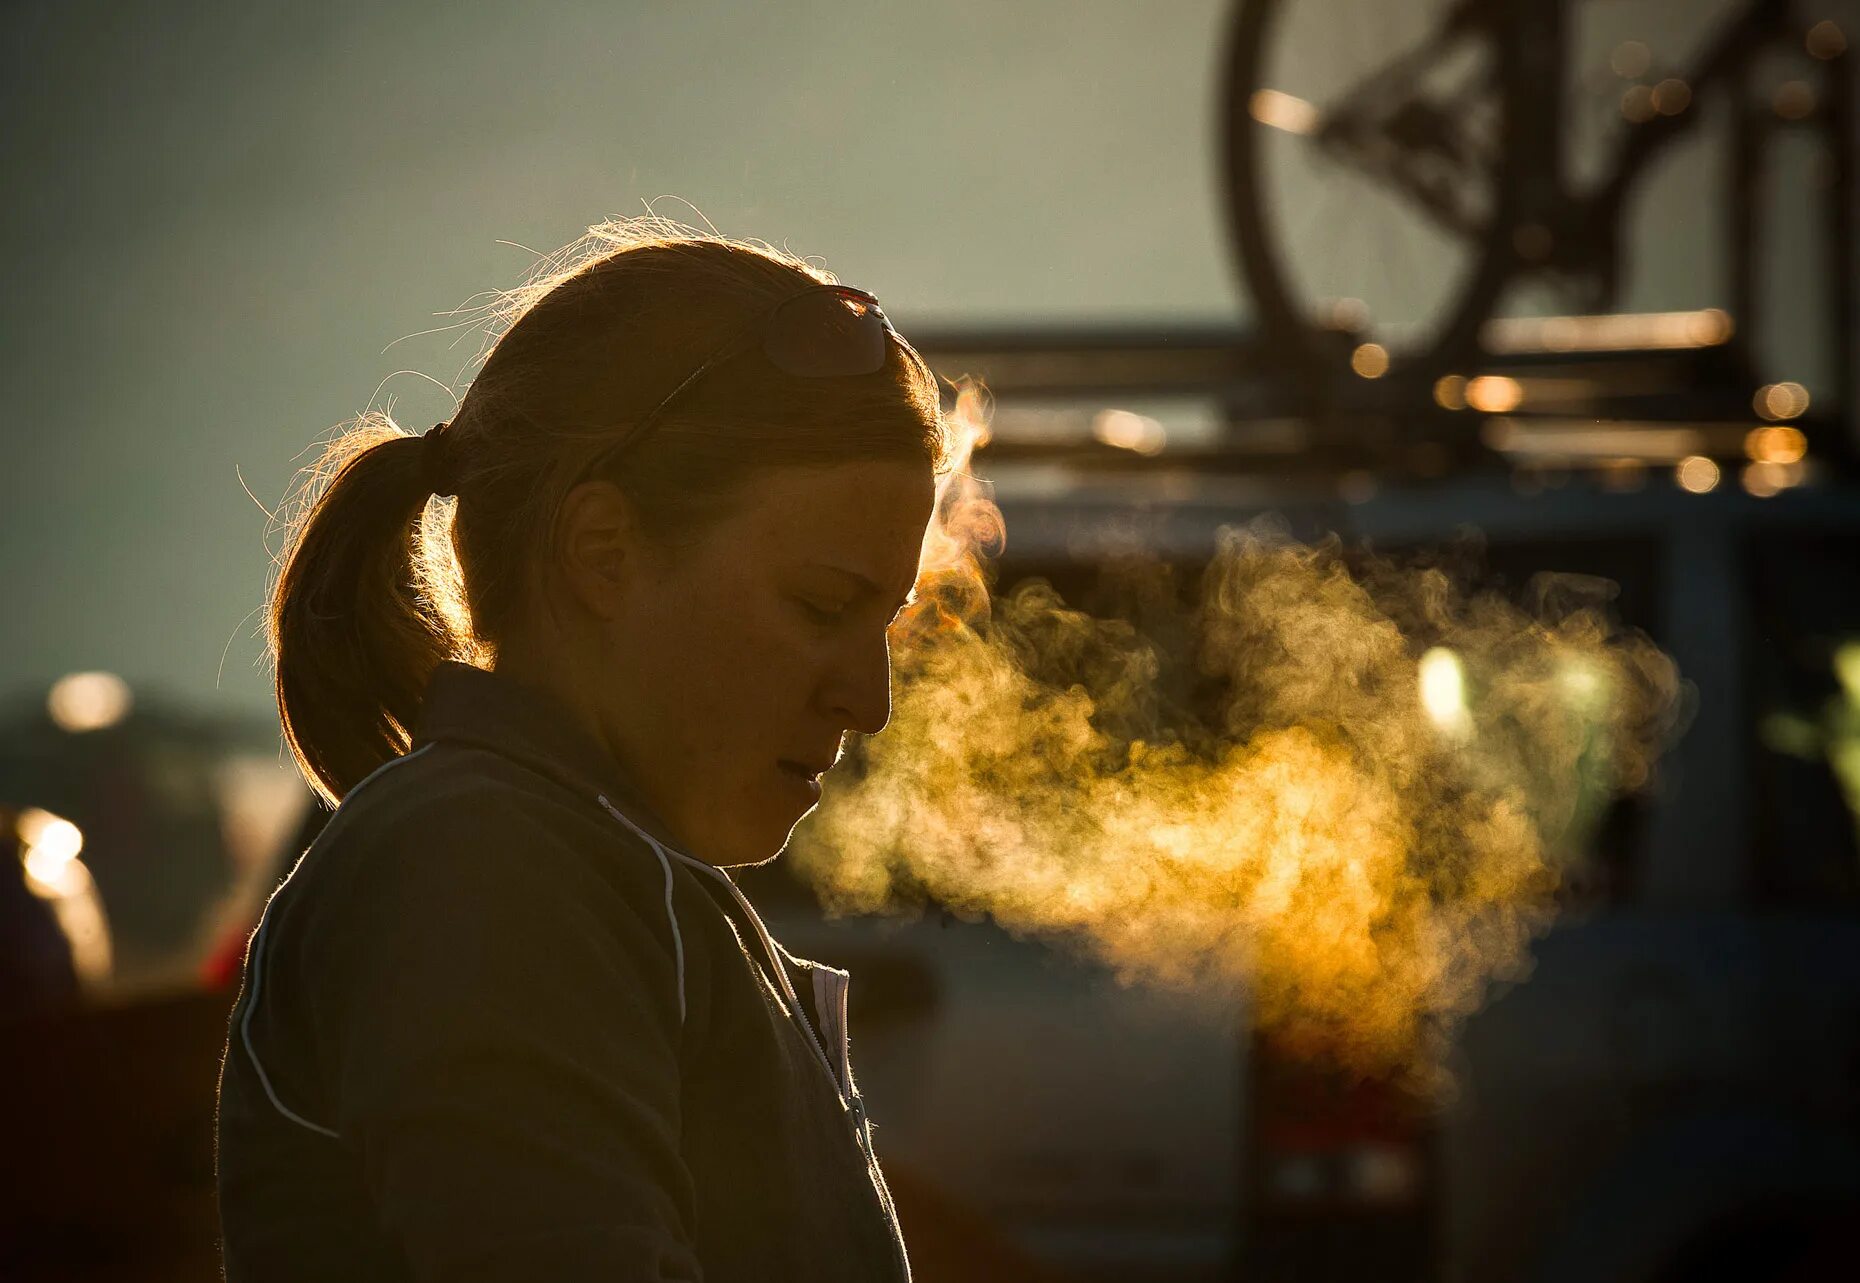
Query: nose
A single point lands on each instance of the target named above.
(860, 689)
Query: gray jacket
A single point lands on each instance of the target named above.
(495, 1026)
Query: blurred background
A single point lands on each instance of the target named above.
(1575, 275)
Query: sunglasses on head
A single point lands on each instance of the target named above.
(819, 332)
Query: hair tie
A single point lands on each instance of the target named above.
(435, 474)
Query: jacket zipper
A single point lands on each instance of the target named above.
(850, 1100)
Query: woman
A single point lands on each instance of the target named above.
(509, 1018)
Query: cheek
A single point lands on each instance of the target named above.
(746, 667)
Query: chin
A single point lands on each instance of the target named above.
(758, 861)
(755, 844)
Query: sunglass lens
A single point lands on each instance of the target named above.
(827, 334)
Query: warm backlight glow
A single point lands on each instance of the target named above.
(1590, 440)
(1697, 474)
(1443, 691)
(1370, 360)
(1279, 110)
(1494, 394)
(1611, 332)
(88, 701)
(1129, 431)
(1780, 401)
(49, 849)
(1778, 444)
(1765, 478)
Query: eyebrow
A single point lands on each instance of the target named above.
(867, 587)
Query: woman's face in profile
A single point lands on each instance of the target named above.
(741, 659)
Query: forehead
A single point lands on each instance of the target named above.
(867, 517)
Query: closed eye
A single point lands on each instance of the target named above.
(825, 614)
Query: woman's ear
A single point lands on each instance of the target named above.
(597, 536)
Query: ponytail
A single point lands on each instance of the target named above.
(356, 620)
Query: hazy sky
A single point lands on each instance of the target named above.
(220, 215)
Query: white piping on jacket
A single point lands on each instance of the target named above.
(258, 962)
(749, 910)
(671, 914)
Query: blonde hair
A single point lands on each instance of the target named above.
(379, 581)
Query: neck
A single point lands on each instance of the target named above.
(573, 684)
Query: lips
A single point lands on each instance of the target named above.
(803, 782)
(805, 770)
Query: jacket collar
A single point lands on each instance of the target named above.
(467, 705)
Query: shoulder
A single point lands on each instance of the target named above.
(457, 786)
(445, 812)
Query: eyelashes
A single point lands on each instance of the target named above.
(822, 614)
(837, 612)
